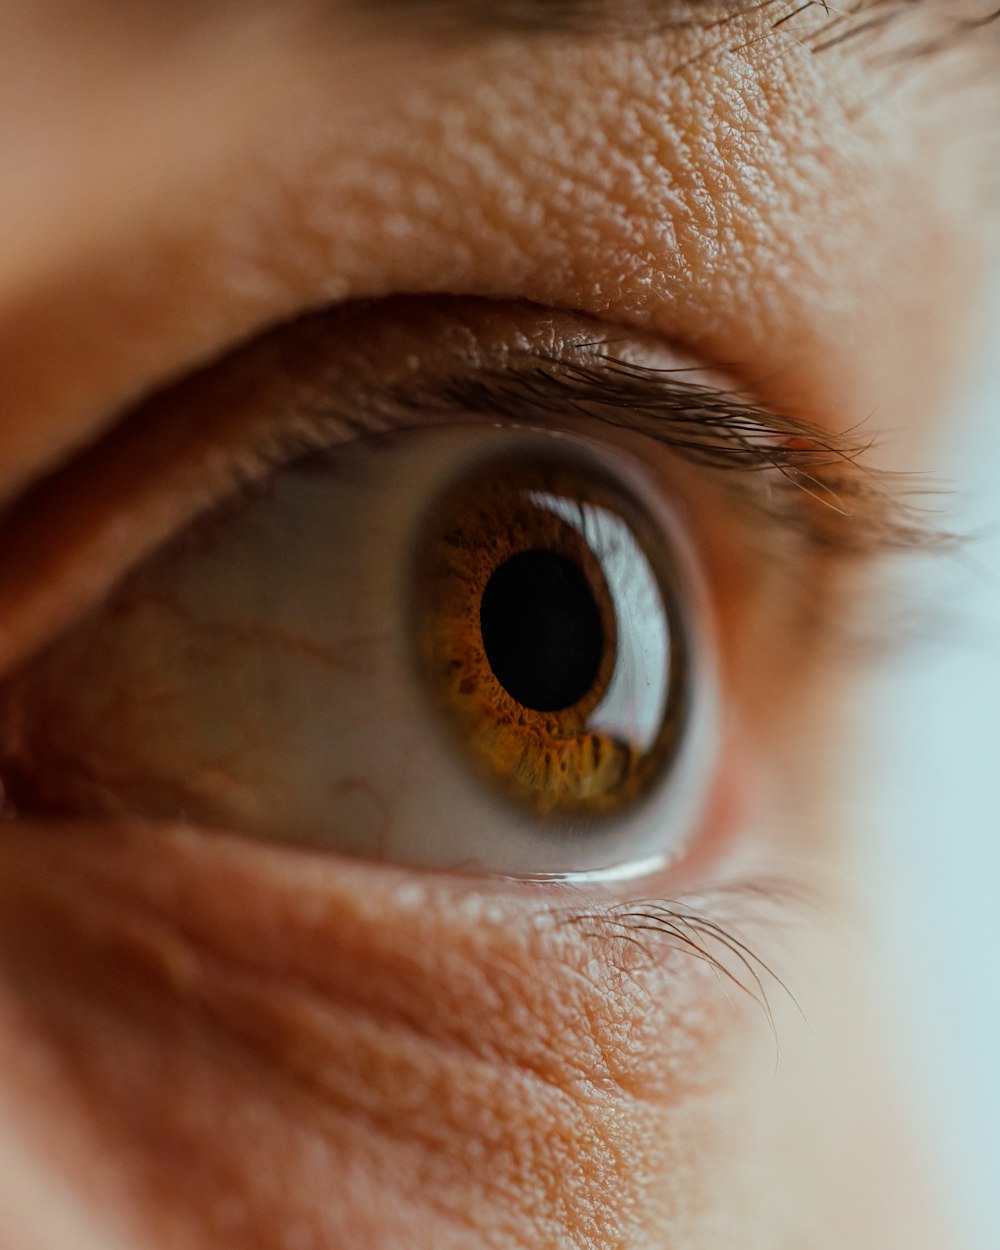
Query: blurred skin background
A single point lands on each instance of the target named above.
(937, 775)
(278, 967)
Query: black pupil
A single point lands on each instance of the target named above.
(541, 630)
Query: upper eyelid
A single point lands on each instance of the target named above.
(71, 538)
(827, 492)
(82, 311)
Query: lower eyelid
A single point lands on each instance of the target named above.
(199, 979)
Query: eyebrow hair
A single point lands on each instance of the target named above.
(569, 16)
(548, 15)
(646, 15)
(838, 24)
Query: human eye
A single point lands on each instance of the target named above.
(342, 902)
(441, 588)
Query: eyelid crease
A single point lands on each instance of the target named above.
(361, 370)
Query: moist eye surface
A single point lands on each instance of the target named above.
(467, 647)
(549, 634)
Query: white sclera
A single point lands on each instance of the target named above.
(260, 675)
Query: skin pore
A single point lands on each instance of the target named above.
(211, 1040)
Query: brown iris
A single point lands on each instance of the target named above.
(547, 633)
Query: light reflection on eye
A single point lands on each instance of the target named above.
(549, 634)
(266, 672)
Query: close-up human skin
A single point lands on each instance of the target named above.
(348, 897)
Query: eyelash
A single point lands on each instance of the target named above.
(793, 472)
(708, 926)
(810, 479)
(814, 481)
(169, 462)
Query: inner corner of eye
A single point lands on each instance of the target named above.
(458, 648)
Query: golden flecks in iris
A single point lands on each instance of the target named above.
(553, 762)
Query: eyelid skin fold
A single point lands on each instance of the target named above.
(339, 1024)
(358, 371)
